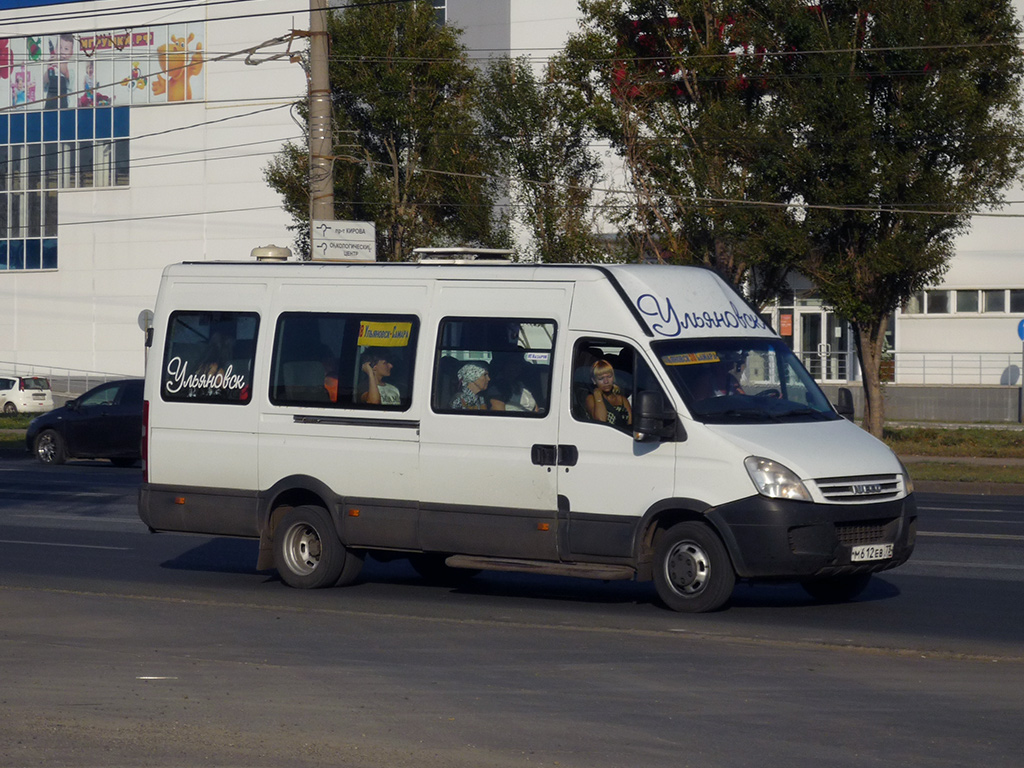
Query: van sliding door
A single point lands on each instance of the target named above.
(488, 448)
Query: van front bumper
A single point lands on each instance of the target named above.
(777, 538)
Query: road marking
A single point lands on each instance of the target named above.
(58, 544)
(950, 535)
(62, 492)
(971, 511)
(80, 517)
(946, 564)
(979, 520)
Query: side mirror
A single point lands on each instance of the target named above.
(844, 403)
(652, 418)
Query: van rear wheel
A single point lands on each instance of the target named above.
(692, 569)
(308, 553)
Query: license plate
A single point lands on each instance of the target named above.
(38, 397)
(866, 552)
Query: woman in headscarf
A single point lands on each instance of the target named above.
(473, 381)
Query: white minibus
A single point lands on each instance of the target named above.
(613, 422)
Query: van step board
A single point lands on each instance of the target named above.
(582, 570)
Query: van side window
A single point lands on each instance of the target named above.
(208, 357)
(335, 360)
(606, 375)
(498, 366)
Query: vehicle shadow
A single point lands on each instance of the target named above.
(221, 555)
(238, 556)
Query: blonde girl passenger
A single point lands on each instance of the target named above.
(607, 403)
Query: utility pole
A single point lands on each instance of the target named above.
(321, 145)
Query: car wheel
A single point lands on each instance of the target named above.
(836, 589)
(10, 408)
(308, 553)
(692, 569)
(50, 448)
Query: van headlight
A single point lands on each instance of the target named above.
(908, 481)
(774, 480)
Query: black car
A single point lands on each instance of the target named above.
(104, 423)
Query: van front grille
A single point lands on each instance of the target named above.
(861, 490)
(863, 532)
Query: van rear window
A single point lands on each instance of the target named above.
(208, 357)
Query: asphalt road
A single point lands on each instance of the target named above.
(118, 647)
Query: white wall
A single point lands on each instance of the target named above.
(196, 193)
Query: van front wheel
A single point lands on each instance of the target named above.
(307, 551)
(692, 569)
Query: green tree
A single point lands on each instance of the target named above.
(408, 148)
(905, 121)
(540, 135)
(681, 90)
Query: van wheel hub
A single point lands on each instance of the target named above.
(689, 568)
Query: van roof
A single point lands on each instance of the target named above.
(668, 301)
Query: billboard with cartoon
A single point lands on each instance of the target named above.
(151, 65)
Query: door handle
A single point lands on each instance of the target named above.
(550, 455)
(544, 455)
(568, 455)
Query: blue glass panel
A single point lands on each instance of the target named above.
(67, 125)
(103, 120)
(50, 253)
(33, 127)
(49, 126)
(85, 120)
(3, 130)
(32, 255)
(121, 122)
(3, 255)
(17, 129)
(16, 256)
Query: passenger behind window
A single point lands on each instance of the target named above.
(607, 402)
(508, 391)
(373, 390)
(473, 381)
(716, 379)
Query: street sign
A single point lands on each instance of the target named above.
(1020, 330)
(344, 241)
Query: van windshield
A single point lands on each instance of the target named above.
(743, 381)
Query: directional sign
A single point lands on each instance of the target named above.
(344, 241)
(1020, 330)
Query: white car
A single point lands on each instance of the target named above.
(25, 394)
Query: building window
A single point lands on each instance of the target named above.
(915, 304)
(938, 303)
(42, 153)
(1017, 301)
(966, 301)
(993, 301)
(440, 11)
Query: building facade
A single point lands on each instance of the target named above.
(128, 141)
(132, 139)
